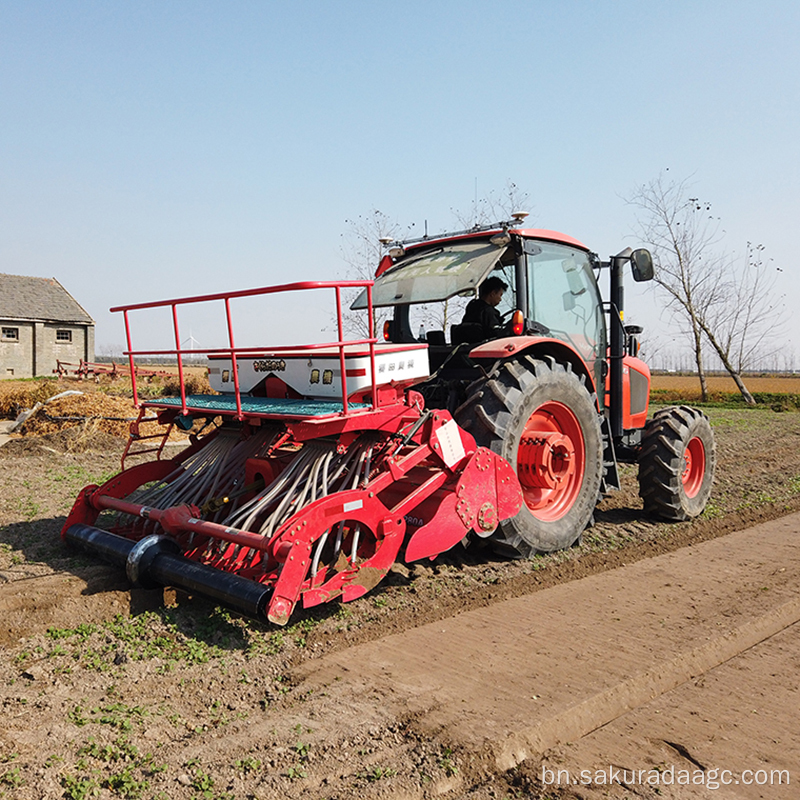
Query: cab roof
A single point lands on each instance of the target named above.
(387, 263)
(526, 233)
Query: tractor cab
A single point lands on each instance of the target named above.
(552, 309)
(552, 295)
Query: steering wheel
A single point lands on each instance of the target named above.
(506, 315)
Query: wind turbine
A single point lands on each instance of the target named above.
(193, 343)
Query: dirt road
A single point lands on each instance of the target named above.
(461, 678)
(508, 683)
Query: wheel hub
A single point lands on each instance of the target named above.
(545, 460)
(694, 466)
(551, 461)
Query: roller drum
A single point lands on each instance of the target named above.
(153, 562)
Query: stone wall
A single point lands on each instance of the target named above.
(16, 356)
(39, 345)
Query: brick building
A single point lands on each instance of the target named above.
(41, 323)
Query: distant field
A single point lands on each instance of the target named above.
(690, 383)
(671, 388)
(197, 371)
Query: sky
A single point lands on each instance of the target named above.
(155, 150)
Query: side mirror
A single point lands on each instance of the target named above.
(642, 265)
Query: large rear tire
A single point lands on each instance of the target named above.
(676, 463)
(541, 418)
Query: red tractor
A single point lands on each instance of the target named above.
(559, 392)
(311, 469)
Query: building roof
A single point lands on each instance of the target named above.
(45, 299)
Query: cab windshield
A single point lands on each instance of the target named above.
(434, 275)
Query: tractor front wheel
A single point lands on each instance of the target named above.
(676, 463)
(541, 418)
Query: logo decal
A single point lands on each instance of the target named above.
(270, 365)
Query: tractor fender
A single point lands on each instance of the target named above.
(539, 347)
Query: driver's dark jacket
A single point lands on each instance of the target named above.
(487, 316)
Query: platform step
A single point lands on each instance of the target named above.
(257, 406)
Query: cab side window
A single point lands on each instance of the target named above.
(562, 294)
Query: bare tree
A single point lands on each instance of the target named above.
(714, 298)
(682, 236)
(741, 325)
(362, 249)
(494, 206)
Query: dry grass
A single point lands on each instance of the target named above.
(778, 392)
(105, 406)
(16, 396)
(95, 410)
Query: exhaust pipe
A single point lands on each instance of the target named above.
(156, 561)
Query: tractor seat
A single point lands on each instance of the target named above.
(467, 333)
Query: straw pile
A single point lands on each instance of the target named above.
(111, 414)
(95, 412)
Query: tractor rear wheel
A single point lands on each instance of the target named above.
(676, 463)
(541, 418)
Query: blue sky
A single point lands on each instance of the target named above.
(152, 150)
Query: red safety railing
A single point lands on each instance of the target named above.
(234, 352)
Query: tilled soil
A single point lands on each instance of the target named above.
(123, 697)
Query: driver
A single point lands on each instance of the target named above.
(483, 309)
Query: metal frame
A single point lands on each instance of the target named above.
(234, 352)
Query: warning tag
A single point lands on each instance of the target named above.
(450, 444)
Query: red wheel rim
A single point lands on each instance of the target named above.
(551, 460)
(694, 466)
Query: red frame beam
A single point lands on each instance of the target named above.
(236, 353)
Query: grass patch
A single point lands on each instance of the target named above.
(80, 787)
(11, 778)
(774, 401)
(75, 477)
(115, 715)
(150, 635)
